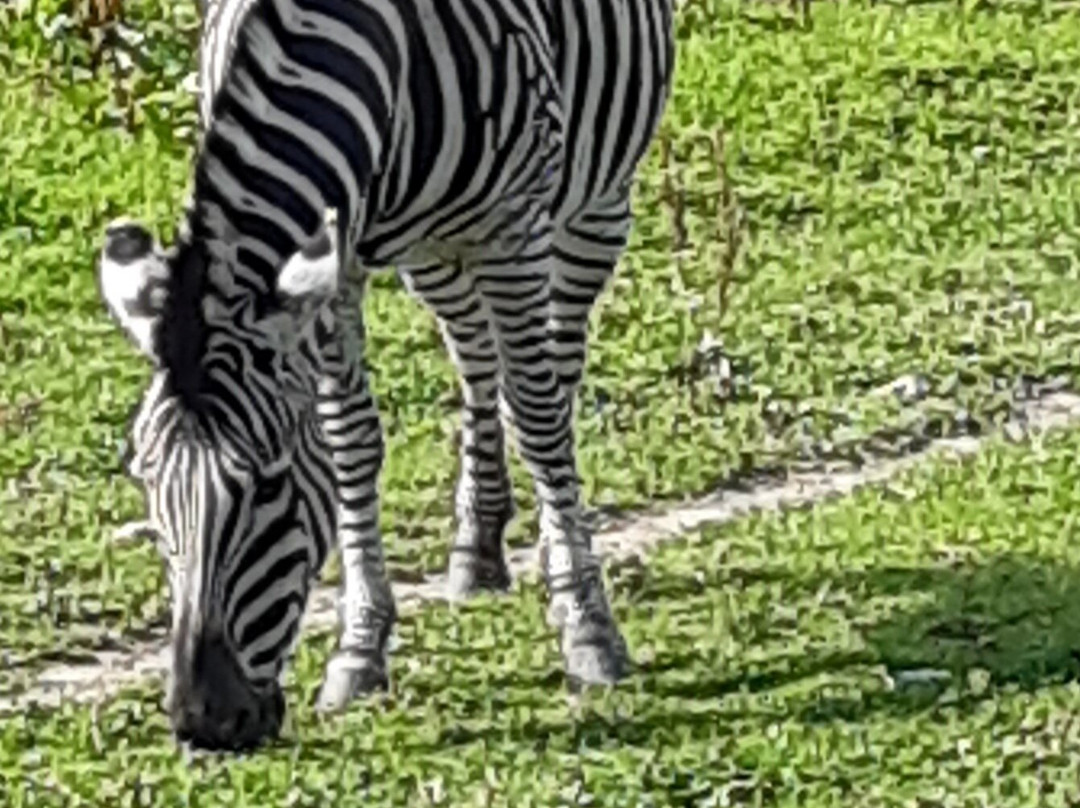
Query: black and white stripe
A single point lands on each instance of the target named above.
(486, 148)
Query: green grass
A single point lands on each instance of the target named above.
(904, 173)
(776, 655)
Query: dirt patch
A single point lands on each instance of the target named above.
(620, 538)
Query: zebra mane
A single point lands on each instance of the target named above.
(182, 337)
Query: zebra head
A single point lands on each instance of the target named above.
(237, 476)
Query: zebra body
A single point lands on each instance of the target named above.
(484, 149)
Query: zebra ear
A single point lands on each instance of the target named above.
(311, 278)
(132, 280)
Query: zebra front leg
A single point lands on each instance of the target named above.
(484, 502)
(351, 423)
(518, 298)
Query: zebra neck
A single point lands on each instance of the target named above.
(302, 112)
(238, 257)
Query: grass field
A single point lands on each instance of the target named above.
(780, 665)
(902, 188)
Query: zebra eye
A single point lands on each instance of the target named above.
(144, 473)
(135, 462)
(145, 466)
(136, 469)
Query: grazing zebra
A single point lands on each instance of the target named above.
(486, 149)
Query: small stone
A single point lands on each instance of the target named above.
(909, 388)
(978, 680)
(1014, 431)
(920, 676)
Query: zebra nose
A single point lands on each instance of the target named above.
(212, 705)
(237, 732)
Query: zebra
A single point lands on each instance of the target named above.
(486, 151)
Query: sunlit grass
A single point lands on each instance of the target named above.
(903, 176)
(910, 645)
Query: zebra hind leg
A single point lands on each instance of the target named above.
(351, 424)
(519, 298)
(586, 250)
(484, 502)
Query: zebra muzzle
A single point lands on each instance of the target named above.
(213, 706)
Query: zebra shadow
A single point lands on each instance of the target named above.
(842, 646)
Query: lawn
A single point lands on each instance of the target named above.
(914, 644)
(902, 209)
(884, 194)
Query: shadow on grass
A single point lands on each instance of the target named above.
(1012, 617)
(822, 657)
(1010, 622)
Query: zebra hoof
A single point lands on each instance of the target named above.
(350, 676)
(470, 574)
(594, 658)
(596, 665)
(593, 648)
